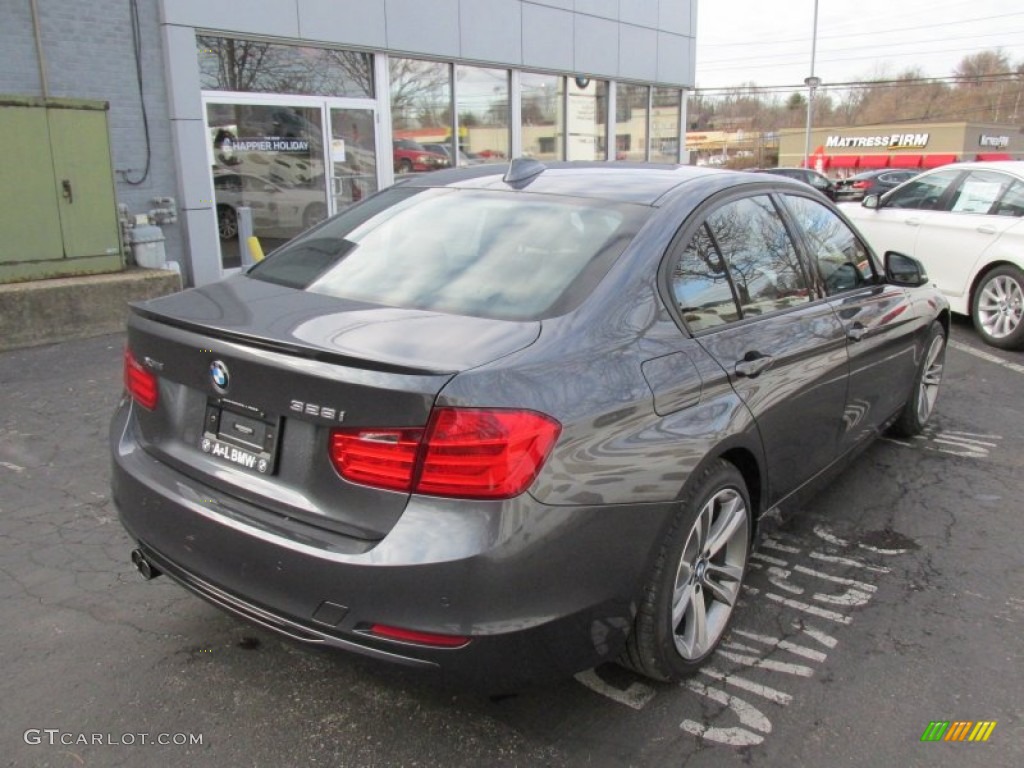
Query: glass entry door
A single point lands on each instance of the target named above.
(269, 158)
(352, 156)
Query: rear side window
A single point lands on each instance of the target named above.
(1012, 203)
(979, 191)
(740, 264)
(470, 252)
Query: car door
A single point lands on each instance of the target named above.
(744, 295)
(955, 240)
(897, 222)
(873, 314)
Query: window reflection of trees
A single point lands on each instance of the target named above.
(701, 285)
(761, 258)
(228, 64)
(841, 258)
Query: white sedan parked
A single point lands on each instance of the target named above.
(965, 223)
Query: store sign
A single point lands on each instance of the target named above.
(270, 144)
(893, 141)
(996, 142)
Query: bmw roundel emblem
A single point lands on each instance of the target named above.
(219, 376)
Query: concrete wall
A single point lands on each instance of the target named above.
(89, 55)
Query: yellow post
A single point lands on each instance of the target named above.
(255, 249)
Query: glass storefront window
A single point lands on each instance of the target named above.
(229, 64)
(586, 119)
(631, 122)
(421, 115)
(268, 158)
(665, 115)
(542, 115)
(482, 112)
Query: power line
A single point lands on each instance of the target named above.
(844, 36)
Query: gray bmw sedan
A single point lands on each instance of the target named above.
(510, 423)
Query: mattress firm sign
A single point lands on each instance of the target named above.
(892, 141)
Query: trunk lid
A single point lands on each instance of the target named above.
(292, 365)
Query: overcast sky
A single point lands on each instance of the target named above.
(769, 41)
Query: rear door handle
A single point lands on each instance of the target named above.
(912, 222)
(753, 364)
(987, 229)
(68, 194)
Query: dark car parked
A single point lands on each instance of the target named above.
(819, 181)
(515, 426)
(871, 183)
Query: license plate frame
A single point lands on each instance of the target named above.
(241, 436)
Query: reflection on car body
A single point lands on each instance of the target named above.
(539, 415)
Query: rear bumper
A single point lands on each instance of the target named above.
(542, 591)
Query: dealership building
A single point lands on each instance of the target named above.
(841, 152)
(290, 110)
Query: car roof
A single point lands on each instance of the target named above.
(624, 182)
(1015, 167)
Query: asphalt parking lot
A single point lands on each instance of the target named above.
(894, 599)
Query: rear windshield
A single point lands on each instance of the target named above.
(505, 255)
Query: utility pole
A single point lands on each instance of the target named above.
(811, 82)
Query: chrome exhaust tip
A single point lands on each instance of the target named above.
(143, 566)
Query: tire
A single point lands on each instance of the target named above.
(921, 403)
(997, 307)
(227, 222)
(314, 214)
(699, 574)
(405, 165)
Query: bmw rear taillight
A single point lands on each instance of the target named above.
(139, 382)
(466, 453)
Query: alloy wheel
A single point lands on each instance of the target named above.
(1001, 306)
(709, 575)
(931, 377)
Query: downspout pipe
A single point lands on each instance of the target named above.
(40, 58)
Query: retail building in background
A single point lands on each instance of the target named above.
(294, 109)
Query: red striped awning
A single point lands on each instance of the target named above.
(844, 161)
(934, 161)
(993, 156)
(905, 161)
(874, 161)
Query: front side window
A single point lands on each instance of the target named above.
(923, 193)
(467, 252)
(841, 259)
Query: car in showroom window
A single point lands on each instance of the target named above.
(964, 224)
(473, 416)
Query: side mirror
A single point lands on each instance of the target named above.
(901, 269)
(871, 201)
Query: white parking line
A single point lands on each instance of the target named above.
(764, 691)
(786, 645)
(848, 561)
(987, 356)
(822, 637)
(636, 696)
(836, 579)
(753, 721)
(811, 609)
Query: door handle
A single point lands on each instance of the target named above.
(912, 222)
(856, 332)
(987, 229)
(753, 364)
(66, 186)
